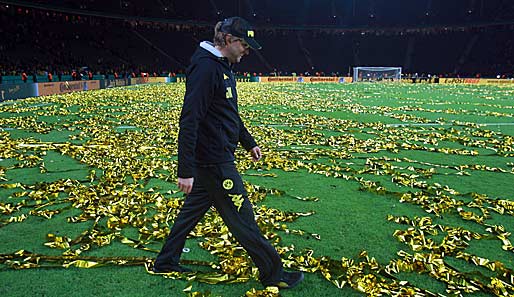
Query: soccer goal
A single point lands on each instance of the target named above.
(373, 74)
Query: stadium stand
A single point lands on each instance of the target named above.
(126, 37)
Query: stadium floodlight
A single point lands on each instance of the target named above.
(373, 74)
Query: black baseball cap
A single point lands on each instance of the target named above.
(239, 27)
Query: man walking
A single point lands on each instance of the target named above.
(210, 130)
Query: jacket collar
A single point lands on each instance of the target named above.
(209, 46)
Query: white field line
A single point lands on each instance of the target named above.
(10, 102)
(40, 104)
(119, 127)
(436, 124)
(402, 125)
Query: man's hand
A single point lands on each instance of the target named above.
(185, 184)
(256, 153)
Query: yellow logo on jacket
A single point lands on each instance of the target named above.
(229, 93)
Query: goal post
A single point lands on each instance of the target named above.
(373, 74)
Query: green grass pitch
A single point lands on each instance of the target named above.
(393, 189)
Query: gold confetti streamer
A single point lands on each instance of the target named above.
(133, 142)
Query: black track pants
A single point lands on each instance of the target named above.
(221, 186)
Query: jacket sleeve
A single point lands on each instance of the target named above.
(200, 85)
(245, 138)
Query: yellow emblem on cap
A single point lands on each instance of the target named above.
(228, 184)
(250, 33)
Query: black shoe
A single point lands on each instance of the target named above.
(169, 269)
(289, 280)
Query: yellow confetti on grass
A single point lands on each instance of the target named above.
(127, 137)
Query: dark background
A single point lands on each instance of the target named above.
(466, 38)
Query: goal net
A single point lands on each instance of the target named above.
(373, 74)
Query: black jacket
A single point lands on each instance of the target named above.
(210, 125)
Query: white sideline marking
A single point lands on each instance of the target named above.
(40, 104)
(436, 124)
(126, 127)
(33, 105)
(402, 125)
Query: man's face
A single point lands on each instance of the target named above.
(236, 49)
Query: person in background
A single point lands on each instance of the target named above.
(210, 130)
